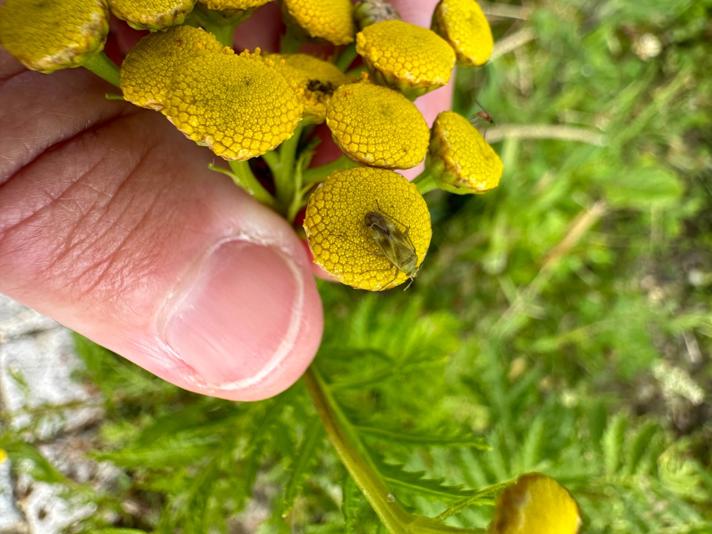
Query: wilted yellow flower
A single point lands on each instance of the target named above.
(459, 159)
(331, 20)
(463, 24)
(377, 126)
(147, 70)
(535, 504)
(48, 36)
(153, 14)
(238, 106)
(313, 79)
(412, 59)
(340, 220)
(233, 5)
(367, 12)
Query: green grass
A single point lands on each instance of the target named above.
(563, 319)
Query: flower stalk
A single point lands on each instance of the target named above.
(102, 66)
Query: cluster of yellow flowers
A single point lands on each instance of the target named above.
(366, 224)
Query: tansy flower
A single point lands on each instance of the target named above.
(459, 158)
(331, 20)
(463, 24)
(377, 126)
(412, 59)
(368, 227)
(48, 36)
(238, 106)
(147, 70)
(313, 79)
(153, 14)
(535, 504)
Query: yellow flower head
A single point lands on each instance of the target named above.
(377, 126)
(368, 227)
(147, 70)
(233, 5)
(48, 36)
(313, 79)
(238, 106)
(463, 24)
(460, 159)
(535, 504)
(412, 59)
(331, 20)
(153, 14)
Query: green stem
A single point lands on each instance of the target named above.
(357, 462)
(241, 174)
(425, 182)
(291, 41)
(284, 170)
(319, 174)
(220, 25)
(346, 57)
(102, 66)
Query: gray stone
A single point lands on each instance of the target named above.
(16, 320)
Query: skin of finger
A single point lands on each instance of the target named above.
(103, 208)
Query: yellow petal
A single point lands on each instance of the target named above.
(535, 504)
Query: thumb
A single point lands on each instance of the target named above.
(111, 223)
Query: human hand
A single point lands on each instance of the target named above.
(111, 223)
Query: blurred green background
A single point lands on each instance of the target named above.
(564, 319)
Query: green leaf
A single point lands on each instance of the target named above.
(298, 470)
(613, 440)
(642, 188)
(394, 436)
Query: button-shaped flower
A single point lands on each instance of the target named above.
(368, 227)
(331, 20)
(463, 24)
(459, 158)
(412, 59)
(378, 126)
(238, 106)
(313, 79)
(535, 504)
(153, 14)
(48, 36)
(147, 70)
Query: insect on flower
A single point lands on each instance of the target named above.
(395, 244)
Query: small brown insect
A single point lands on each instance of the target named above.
(395, 244)
(483, 114)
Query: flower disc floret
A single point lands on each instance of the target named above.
(239, 106)
(152, 14)
(535, 504)
(233, 5)
(337, 233)
(313, 79)
(463, 24)
(48, 36)
(378, 126)
(412, 59)
(331, 20)
(460, 159)
(147, 70)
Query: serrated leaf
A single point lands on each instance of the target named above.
(397, 476)
(394, 436)
(359, 518)
(613, 439)
(640, 445)
(298, 469)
